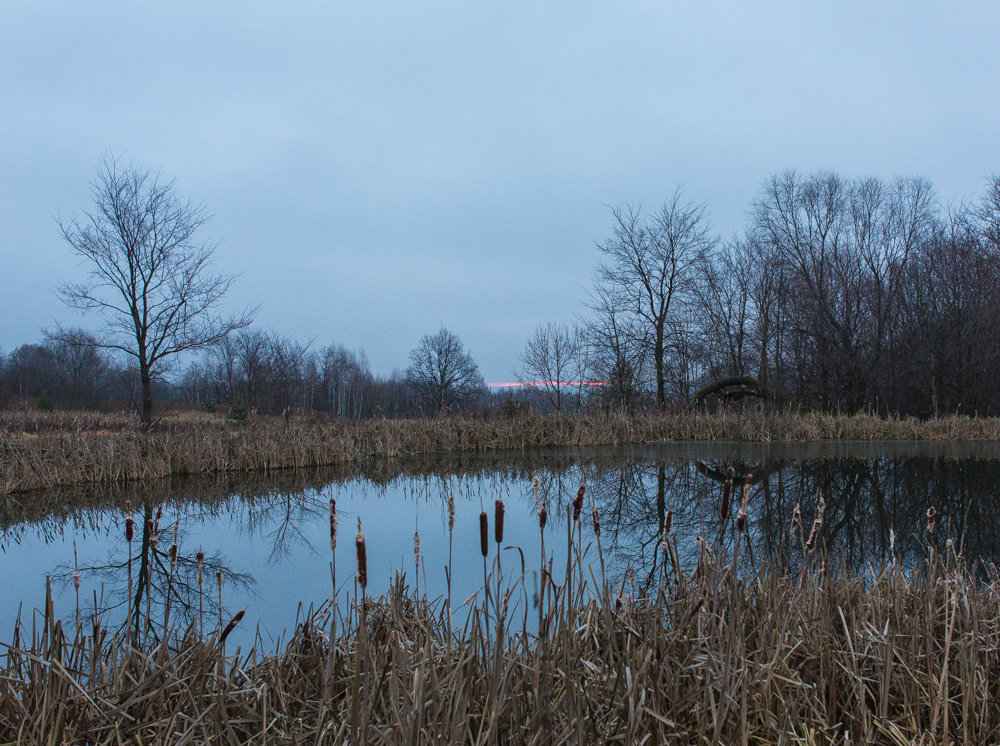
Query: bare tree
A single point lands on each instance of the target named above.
(651, 266)
(79, 365)
(150, 278)
(554, 363)
(442, 371)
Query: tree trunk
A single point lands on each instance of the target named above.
(661, 394)
(147, 394)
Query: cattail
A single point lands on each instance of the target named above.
(741, 517)
(796, 520)
(705, 547)
(817, 525)
(416, 550)
(76, 572)
(727, 491)
(498, 511)
(931, 519)
(218, 584)
(201, 564)
(231, 626)
(451, 512)
(154, 534)
(597, 522)
(578, 502)
(359, 542)
(484, 533)
(173, 557)
(333, 524)
(129, 529)
(668, 522)
(537, 486)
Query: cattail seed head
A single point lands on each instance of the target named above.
(705, 547)
(333, 524)
(218, 580)
(129, 529)
(173, 557)
(668, 522)
(76, 568)
(362, 554)
(741, 517)
(817, 526)
(597, 522)
(498, 511)
(416, 550)
(451, 512)
(543, 517)
(727, 491)
(484, 533)
(578, 502)
(796, 520)
(931, 519)
(231, 626)
(201, 564)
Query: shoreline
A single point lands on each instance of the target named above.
(39, 451)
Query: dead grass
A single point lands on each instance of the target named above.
(707, 655)
(44, 450)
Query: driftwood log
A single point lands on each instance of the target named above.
(733, 388)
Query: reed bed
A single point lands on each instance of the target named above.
(707, 654)
(39, 451)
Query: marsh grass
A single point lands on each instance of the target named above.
(710, 654)
(42, 450)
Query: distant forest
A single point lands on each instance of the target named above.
(839, 295)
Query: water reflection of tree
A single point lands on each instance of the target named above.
(865, 499)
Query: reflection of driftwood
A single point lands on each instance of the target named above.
(733, 388)
(756, 473)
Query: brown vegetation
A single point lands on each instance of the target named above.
(39, 450)
(707, 656)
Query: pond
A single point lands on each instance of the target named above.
(268, 536)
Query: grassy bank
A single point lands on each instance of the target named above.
(44, 450)
(706, 655)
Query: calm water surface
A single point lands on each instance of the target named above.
(269, 535)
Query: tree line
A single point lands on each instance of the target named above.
(839, 294)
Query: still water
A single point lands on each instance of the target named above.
(269, 535)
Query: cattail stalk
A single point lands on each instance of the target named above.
(416, 559)
(362, 555)
(447, 574)
(218, 585)
(76, 584)
(200, 557)
(129, 533)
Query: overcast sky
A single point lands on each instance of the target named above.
(376, 170)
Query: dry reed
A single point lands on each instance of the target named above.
(39, 451)
(709, 656)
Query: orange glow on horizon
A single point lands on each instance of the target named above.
(509, 384)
